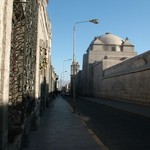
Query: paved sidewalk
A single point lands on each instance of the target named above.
(60, 129)
(142, 110)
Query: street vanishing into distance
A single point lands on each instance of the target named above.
(117, 129)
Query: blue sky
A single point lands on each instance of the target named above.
(124, 18)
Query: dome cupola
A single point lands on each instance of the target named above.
(110, 39)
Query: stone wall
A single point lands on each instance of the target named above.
(128, 80)
(44, 33)
(43, 47)
(97, 78)
(5, 43)
(109, 58)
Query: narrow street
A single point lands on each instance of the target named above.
(119, 130)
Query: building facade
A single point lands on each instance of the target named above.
(106, 47)
(5, 46)
(112, 69)
(26, 73)
(75, 67)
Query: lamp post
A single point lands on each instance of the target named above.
(64, 68)
(95, 21)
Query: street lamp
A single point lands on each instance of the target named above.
(64, 66)
(95, 21)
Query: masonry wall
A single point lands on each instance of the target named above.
(43, 47)
(128, 81)
(97, 78)
(6, 7)
(84, 76)
(5, 43)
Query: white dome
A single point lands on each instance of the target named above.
(109, 38)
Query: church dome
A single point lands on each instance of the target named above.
(109, 38)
